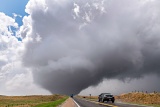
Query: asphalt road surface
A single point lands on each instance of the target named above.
(85, 103)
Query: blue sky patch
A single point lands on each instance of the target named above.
(14, 6)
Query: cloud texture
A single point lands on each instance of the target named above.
(73, 44)
(13, 76)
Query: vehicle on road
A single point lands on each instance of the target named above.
(71, 95)
(106, 97)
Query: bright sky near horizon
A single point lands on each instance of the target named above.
(75, 46)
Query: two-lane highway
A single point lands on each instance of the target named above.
(87, 103)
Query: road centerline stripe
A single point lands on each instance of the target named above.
(100, 103)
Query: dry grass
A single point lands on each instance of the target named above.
(27, 101)
(141, 98)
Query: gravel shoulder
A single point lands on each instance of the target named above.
(68, 103)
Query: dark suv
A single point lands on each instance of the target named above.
(106, 97)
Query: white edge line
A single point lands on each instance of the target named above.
(76, 103)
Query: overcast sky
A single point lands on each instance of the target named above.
(79, 47)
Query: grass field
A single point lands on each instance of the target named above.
(32, 101)
(152, 99)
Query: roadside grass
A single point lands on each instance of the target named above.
(29, 101)
(152, 105)
(52, 104)
(157, 105)
(150, 99)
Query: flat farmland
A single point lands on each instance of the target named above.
(32, 101)
(152, 99)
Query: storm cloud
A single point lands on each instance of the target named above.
(73, 44)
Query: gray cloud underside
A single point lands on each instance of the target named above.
(78, 50)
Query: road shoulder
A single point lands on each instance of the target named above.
(69, 103)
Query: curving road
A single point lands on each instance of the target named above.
(87, 103)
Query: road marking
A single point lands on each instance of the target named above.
(104, 104)
(76, 103)
(101, 103)
(134, 104)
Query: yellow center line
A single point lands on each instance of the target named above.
(105, 104)
(102, 103)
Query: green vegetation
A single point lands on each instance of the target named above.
(32, 101)
(156, 105)
(52, 104)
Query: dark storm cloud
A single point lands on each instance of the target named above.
(72, 45)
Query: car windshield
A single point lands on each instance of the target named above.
(107, 93)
